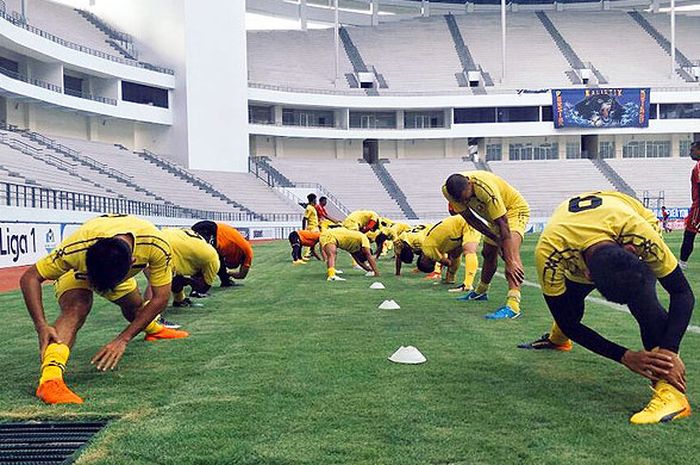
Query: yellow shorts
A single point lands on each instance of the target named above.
(517, 222)
(74, 280)
(325, 239)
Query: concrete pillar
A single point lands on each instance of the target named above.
(279, 146)
(339, 149)
(375, 12)
(619, 143)
(303, 14)
(676, 145)
(400, 148)
(399, 119)
(277, 114)
(562, 147)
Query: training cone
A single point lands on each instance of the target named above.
(377, 285)
(389, 305)
(408, 355)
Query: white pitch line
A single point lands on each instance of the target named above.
(598, 300)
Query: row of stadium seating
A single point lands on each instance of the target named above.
(421, 55)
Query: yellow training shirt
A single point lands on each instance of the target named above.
(414, 237)
(493, 197)
(588, 219)
(359, 219)
(346, 239)
(446, 236)
(192, 255)
(311, 216)
(151, 249)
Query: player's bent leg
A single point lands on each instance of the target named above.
(331, 251)
(75, 305)
(686, 248)
(511, 309)
(132, 303)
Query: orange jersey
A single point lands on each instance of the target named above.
(231, 244)
(308, 238)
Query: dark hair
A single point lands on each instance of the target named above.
(455, 185)
(619, 274)
(322, 199)
(406, 254)
(206, 229)
(311, 198)
(425, 264)
(108, 263)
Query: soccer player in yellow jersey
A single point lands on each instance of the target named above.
(353, 242)
(387, 233)
(310, 221)
(102, 256)
(195, 263)
(608, 241)
(506, 214)
(362, 220)
(444, 243)
(408, 244)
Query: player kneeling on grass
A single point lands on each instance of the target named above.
(444, 243)
(195, 264)
(610, 242)
(303, 238)
(235, 252)
(353, 242)
(506, 213)
(102, 256)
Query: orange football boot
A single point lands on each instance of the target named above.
(167, 333)
(55, 391)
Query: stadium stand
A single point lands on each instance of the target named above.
(687, 38)
(546, 183)
(354, 183)
(670, 175)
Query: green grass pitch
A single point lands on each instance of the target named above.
(290, 369)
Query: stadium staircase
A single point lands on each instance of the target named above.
(393, 189)
(465, 56)
(665, 44)
(119, 41)
(358, 63)
(99, 169)
(565, 48)
(613, 176)
(189, 178)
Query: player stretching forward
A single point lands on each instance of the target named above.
(303, 238)
(102, 256)
(444, 243)
(234, 250)
(195, 264)
(610, 242)
(692, 221)
(353, 242)
(507, 214)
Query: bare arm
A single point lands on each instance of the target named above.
(30, 283)
(372, 262)
(397, 258)
(479, 225)
(314, 254)
(241, 273)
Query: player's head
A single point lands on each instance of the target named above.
(206, 229)
(425, 264)
(311, 198)
(406, 254)
(323, 201)
(695, 150)
(619, 274)
(457, 186)
(108, 262)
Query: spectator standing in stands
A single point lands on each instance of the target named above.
(692, 221)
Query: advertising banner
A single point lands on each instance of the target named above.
(600, 108)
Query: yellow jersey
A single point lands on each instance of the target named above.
(192, 255)
(151, 249)
(393, 230)
(346, 239)
(588, 219)
(311, 216)
(493, 197)
(447, 235)
(360, 219)
(414, 237)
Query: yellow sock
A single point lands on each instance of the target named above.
(482, 288)
(438, 267)
(331, 272)
(471, 263)
(556, 336)
(154, 327)
(179, 296)
(53, 363)
(513, 300)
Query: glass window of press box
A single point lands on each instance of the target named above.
(260, 114)
(647, 149)
(424, 119)
(313, 118)
(373, 119)
(533, 152)
(679, 111)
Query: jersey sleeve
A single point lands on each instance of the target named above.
(160, 265)
(247, 250)
(57, 263)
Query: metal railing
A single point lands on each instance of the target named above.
(20, 22)
(35, 82)
(89, 96)
(21, 195)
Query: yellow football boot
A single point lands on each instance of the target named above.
(667, 404)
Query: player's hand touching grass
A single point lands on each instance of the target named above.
(651, 365)
(47, 335)
(108, 357)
